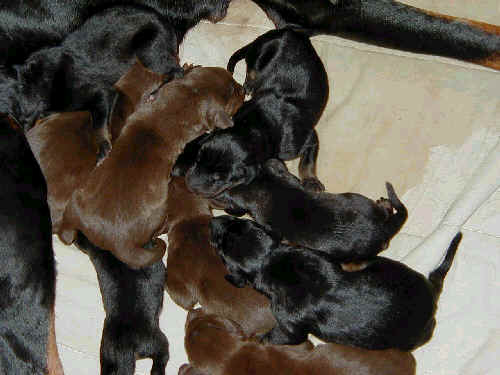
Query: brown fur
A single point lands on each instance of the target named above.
(54, 365)
(122, 205)
(65, 146)
(195, 273)
(218, 346)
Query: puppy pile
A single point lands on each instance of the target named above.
(109, 143)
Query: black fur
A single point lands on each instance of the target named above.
(27, 270)
(385, 305)
(289, 88)
(133, 301)
(26, 26)
(79, 74)
(348, 226)
(387, 23)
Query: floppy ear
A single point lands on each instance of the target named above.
(237, 281)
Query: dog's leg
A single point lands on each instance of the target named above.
(161, 358)
(307, 164)
(117, 356)
(54, 361)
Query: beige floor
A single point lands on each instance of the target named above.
(429, 125)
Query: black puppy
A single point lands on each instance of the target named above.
(349, 227)
(391, 24)
(80, 73)
(385, 305)
(289, 88)
(26, 26)
(27, 270)
(133, 301)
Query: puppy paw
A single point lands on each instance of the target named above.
(313, 184)
(386, 205)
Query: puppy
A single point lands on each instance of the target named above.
(65, 146)
(79, 74)
(27, 273)
(122, 205)
(385, 305)
(349, 227)
(195, 273)
(392, 24)
(133, 301)
(27, 26)
(289, 88)
(218, 346)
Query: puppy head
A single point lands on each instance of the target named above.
(209, 339)
(223, 161)
(242, 245)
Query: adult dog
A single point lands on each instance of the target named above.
(391, 24)
(133, 302)
(289, 88)
(217, 346)
(349, 227)
(195, 273)
(385, 305)
(27, 272)
(26, 26)
(122, 205)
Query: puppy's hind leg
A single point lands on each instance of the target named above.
(117, 355)
(160, 358)
(307, 164)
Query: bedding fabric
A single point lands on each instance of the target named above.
(429, 125)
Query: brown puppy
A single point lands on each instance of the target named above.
(122, 205)
(65, 146)
(218, 346)
(195, 273)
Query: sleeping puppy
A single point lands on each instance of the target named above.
(289, 88)
(385, 305)
(195, 273)
(65, 146)
(26, 26)
(79, 74)
(391, 24)
(133, 302)
(218, 346)
(349, 227)
(28, 270)
(122, 205)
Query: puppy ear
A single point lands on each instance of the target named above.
(237, 281)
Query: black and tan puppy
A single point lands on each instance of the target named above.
(218, 346)
(122, 206)
(384, 305)
(79, 74)
(349, 227)
(392, 24)
(133, 301)
(289, 89)
(26, 26)
(27, 271)
(195, 273)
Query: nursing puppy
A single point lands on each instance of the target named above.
(27, 270)
(195, 273)
(65, 146)
(218, 346)
(392, 24)
(122, 206)
(133, 302)
(289, 88)
(26, 26)
(384, 305)
(79, 74)
(349, 227)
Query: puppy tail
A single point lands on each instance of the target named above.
(237, 56)
(397, 220)
(437, 276)
(140, 257)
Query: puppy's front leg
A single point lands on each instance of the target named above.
(307, 164)
(103, 104)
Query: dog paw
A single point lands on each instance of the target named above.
(313, 184)
(386, 205)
